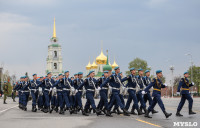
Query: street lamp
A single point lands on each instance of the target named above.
(191, 60)
(172, 69)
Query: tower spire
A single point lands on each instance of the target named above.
(54, 28)
(107, 57)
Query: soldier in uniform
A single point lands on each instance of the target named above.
(5, 91)
(185, 95)
(147, 96)
(157, 85)
(25, 92)
(104, 95)
(115, 83)
(14, 92)
(132, 85)
(78, 103)
(34, 92)
(18, 88)
(90, 85)
(141, 88)
(41, 98)
(59, 89)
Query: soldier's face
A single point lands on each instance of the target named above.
(81, 76)
(117, 71)
(133, 72)
(76, 76)
(140, 72)
(106, 74)
(67, 74)
(148, 74)
(49, 75)
(61, 76)
(186, 75)
(35, 77)
(160, 75)
(92, 74)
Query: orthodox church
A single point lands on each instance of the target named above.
(101, 64)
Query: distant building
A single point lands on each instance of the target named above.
(54, 58)
(101, 64)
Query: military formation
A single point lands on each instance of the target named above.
(62, 93)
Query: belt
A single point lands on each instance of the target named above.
(33, 89)
(64, 89)
(80, 90)
(26, 91)
(185, 88)
(104, 88)
(115, 88)
(132, 88)
(59, 89)
(46, 89)
(156, 89)
(90, 89)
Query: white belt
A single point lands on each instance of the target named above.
(26, 91)
(132, 88)
(46, 89)
(59, 89)
(90, 89)
(80, 90)
(66, 89)
(115, 88)
(104, 88)
(33, 89)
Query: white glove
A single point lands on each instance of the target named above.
(165, 84)
(110, 87)
(99, 88)
(50, 89)
(76, 91)
(123, 87)
(178, 93)
(193, 83)
(143, 92)
(72, 89)
(12, 90)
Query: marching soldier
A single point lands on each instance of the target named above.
(115, 83)
(14, 92)
(132, 85)
(5, 91)
(147, 96)
(141, 88)
(185, 95)
(104, 95)
(91, 88)
(18, 88)
(34, 92)
(58, 88)
(78, 103)
(48, 84)
(41, 98)
(25, 92)
(157, 85)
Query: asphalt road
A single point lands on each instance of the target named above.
(12, 117)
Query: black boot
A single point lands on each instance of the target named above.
(114, 111)
(25, 108)
(139, 112)
(154, 111)
(75, 110)
(104, 111)
(61, 111)
(4, 102)
(14, 100)
(108, 113)
(191, 112)
(119, 112)
(167, 114)
(56, 109)
(97, 111)
(178, 113)
(33, 110)
(71, 110)
(83, 112)
(125, 112)
(51, 110)
(147, 114)
(133, 112)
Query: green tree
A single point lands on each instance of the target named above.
(177, 79)
(196, 77)
(138, 63)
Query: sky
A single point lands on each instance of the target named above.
(158, 31)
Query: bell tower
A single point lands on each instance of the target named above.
(54, 58)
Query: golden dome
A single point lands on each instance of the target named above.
(94, 65)
(88, 67)
(114, 64)
(101, 59)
